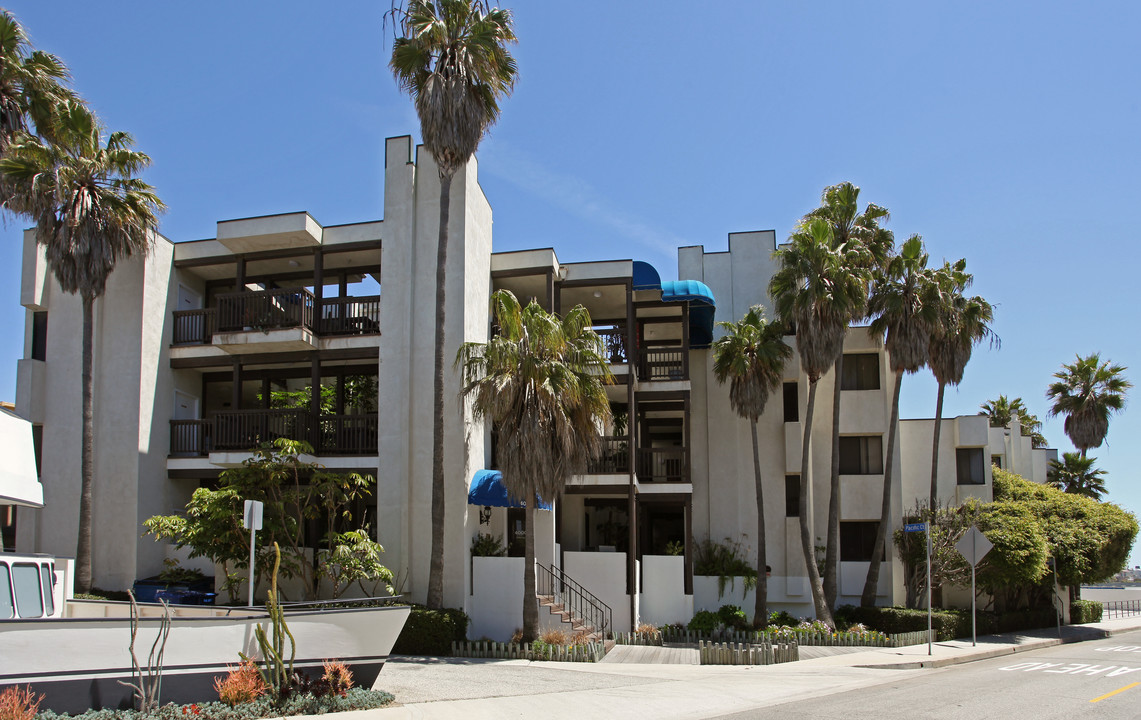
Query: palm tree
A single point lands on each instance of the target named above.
(817, 289)
(91, 211)
(31, 83)
(903, 309)
(960, 324)
(1003, 411)
(839, 207)
(1087, 392)
(752, 355)
(540, 382)
(1077, 475)
(453, 61)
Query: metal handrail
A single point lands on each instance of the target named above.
(574, 598)
(1120, 608)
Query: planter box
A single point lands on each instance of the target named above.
(705, 596)
(195, 593)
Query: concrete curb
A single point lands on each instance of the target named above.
(1076, 634)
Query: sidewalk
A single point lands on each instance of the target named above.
(474, 689)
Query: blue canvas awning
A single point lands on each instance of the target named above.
(700, 298)
(487, 488)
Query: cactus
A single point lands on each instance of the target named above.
(276, 673)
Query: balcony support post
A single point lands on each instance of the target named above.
(240, 275)
(315, 401)
(689, 544)
(236, 390)
(318, 285)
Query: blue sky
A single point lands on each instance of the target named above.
(1005, 133)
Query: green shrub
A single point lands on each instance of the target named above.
(732, 616)
(300, 704)
(725, 561)
(1085, 611)
(704, 621)
(488, 545)
(431, 632)
(947, 624)
(782, 619)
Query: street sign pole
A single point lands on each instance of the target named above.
(974, 629)
(973, 546)
(251, 520)
(929, 610)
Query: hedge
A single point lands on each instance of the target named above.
(431, 632)
(948, 624)
(1085, 611)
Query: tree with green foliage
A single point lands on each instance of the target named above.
(840, 208)
(295, 494)
(960, 323)
(902, 310)
(1087, 392)
(751, 355)
(91, 210)
(817, 289)
(1089, 540)
(540, 381)
(1003, 411)
(452, 59)
(1077, 475)
(33, 84)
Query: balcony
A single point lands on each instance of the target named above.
(663, 363)
(664, 464)
(241, 430)
(278, 309)
(614, 458)
(614, 340)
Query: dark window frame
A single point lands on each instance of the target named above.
(970, 468)
(791, 402)
(859, 457)
(857, 540)
(860, 371)
(792, 499)
(40, 335)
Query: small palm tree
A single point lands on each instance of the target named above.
(961, 322)
(1003, 411)
(91, 211)
(817, 288)
(1077, 475)
(1087, 392)
(751, 356)
(540, 382)
(903, 308)
(840, 208)
(453, 61)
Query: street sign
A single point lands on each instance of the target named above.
(974, 546)
(915, 527)
(251, 518)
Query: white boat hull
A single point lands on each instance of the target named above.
(77, 663)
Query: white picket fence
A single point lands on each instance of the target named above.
(712, 653)
(587, 652)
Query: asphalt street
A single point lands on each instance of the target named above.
(1098, 679)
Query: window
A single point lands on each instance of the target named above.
(969, 466)
(861, 372)
(792, 496)
(38, 447)
(7, 608)
(47, 581)
(861, 455)
(791, 402)
(26, 579)
(996, 460)
(857, 539)
(39, 336)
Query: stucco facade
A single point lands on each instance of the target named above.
(193, 341)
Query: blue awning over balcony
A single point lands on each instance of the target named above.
(700, 298)
(487, 488)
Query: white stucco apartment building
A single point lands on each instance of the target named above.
(192, 342)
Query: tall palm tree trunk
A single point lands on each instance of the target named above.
(761, 608)
(822, 611)
(530, 599)
(935, 449)
(871, 585)
(435, 597)
(832, 546)
(87, 452)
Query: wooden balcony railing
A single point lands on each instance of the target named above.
(265, 309)
(194, 327)
(241, 430)
(348, 435)
(614, 339)
(275, 309)
(615, 456)
(663, 363)
(349, 316)
(668, 464)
